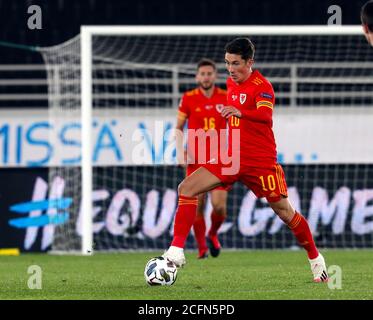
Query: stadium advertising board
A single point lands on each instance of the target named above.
(137, 212)
(31, 139)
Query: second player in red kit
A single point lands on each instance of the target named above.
(201, 109)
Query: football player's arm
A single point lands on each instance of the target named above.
(264, 101)
(182, 114)
(180, 121)
(182, 117)
(260, 114)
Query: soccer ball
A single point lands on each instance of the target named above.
(160, 271)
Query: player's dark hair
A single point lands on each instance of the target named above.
(366, 15)
(242, 46)
(206, 62)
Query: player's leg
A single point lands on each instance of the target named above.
(202, 180)
(219, 213)
(301, 230)
(294, 220)
(199, 227)
(270, 183)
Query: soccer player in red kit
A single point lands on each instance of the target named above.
(250, 107)
(201, 109)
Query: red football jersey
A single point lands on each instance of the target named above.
(255, 99)
(203, 113)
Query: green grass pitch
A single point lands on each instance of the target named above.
(278, 274)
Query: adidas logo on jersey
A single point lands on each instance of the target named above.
(219, 107)
(257, 81)
(273, 194)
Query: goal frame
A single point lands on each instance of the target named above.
(86, 34)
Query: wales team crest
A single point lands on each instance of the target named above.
(242, 98)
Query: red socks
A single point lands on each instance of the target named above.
(199, 227)
(216, 221)
(301, 230)
(184, 219)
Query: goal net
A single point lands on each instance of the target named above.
(125, 161)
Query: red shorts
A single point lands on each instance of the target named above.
(193, 167)
(268, 182)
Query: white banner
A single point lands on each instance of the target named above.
(28, 138)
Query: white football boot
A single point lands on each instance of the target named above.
(176, 255)
(318, 268)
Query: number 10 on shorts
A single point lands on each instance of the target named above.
(269, 182)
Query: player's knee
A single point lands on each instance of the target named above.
(220, 209)
(185, 189)
(181, 188)
(284, 213)
(200, 209)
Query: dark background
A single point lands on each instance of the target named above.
(62, 18)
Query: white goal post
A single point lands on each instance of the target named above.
(87, 32)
